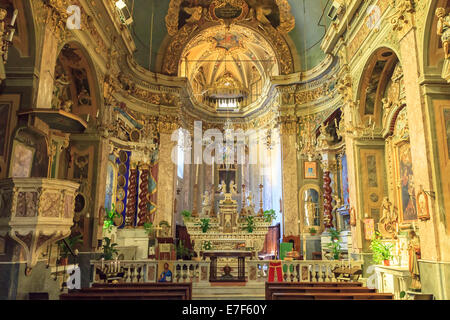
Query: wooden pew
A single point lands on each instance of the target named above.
(279, 285)
(331, 296)
(130, 291)
(144, 286)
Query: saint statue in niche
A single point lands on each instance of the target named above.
(310, 212)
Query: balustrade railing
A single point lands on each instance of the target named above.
(300, 270)
(143, 271)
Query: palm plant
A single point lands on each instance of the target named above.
(381, 251)
(269, 215)
(109, 218)
(250, 224)
(109, 249)
(204, 224)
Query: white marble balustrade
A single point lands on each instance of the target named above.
(299, 270)
(142, 271)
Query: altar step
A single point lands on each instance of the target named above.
(244, 291)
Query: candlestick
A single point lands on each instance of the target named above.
(13, 20)
(212, 177)
(196, 175)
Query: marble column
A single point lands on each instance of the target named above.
(166, 179)
(290, 176)
(421, 154)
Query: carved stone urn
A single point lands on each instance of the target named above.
(36, 212)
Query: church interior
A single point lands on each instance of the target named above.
(225, 150)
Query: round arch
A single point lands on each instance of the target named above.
(373, 82)
(75, 63)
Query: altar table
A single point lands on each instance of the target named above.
(241, 255)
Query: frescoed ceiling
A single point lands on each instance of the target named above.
(151, 33)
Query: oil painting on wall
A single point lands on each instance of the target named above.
(22, 160)
(408, 201)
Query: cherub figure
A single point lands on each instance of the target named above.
(443, 30)
(233, 188)
(206, 199)
(223, 188)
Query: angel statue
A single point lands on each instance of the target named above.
(325, 139)
(195, 12)
(223, 188)
(233, 188)
(443, 30)
(206, 199)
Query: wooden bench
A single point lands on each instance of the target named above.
(331, 296)
(130, 291)
(166, 285)
(280, 285)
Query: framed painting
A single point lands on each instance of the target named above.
(310, 170)
(22, 160)
(407, 196)
(165, 271)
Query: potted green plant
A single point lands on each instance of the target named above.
(269, 215)
(65, 251)
(109, 249)
(186, 215)
(111, 217)
(335, 245)
(183, 252)
(149, 229)
(250, 224)
(313, 231)
(204, 224)
(381, 251)
(207, 245)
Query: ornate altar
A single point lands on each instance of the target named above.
(228, 230)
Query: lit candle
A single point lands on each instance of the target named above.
(212, 171)
(196, 175)
(88, 118)
(11, 35)
(13, 20)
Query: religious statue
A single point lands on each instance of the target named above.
(310, 212)
(223, 188)
(250, 208)
(233, 188)
(195, 12)
(206, 204)
(414, 256)
(325, 139)
(60, 92)
(206, 199)
(388, 222)
(443, 29)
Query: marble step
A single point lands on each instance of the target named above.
(254, 291)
